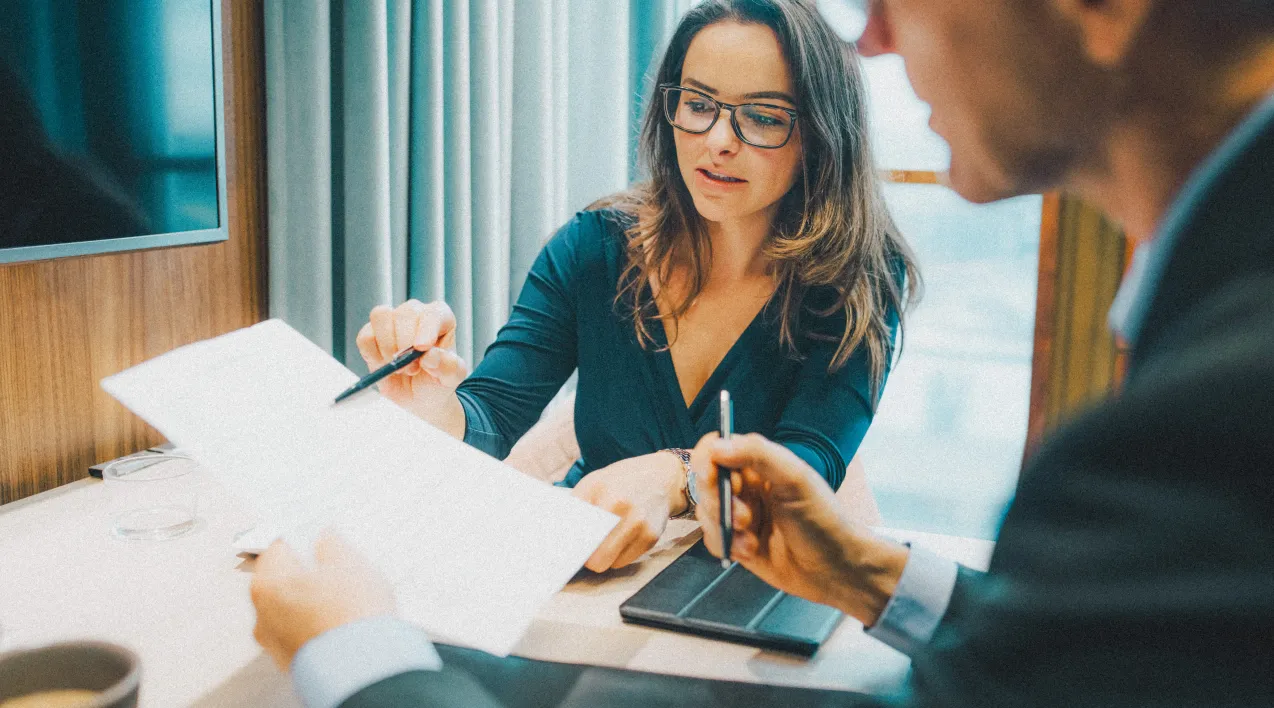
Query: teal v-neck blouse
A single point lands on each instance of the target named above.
(629, 402)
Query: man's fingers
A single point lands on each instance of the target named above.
(745, 546)
(712, 539)
(742, 515)
(276, 652)
(279, 559)
(270, 644)
(740, 451)
(748, 480)
(705, 471)
(269, 577)
(711, 526)
(770, 461)
(331, 549)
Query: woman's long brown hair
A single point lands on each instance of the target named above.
(831, 230)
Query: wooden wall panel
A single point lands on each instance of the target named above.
(1076, 359)
(65, 324)
(1045, 322)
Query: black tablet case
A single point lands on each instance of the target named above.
(697, 596)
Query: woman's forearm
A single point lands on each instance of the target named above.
(453, 416)
(443, 411)
(672, 473)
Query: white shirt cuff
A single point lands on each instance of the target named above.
(918, 603)
(343, 661)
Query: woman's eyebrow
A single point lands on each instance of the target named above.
(772, 94)
(699, 85)
(751, 96)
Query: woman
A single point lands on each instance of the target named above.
(758, 259)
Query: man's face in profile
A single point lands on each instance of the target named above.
(1009, 85)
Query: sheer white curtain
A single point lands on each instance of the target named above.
(428, 148)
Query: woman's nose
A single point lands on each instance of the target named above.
(721, 137)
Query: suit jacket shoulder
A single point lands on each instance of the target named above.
(1136, 564)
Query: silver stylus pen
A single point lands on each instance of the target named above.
(724, 487)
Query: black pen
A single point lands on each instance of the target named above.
(724, 487)
(403, 359)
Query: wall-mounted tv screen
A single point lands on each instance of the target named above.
(110, 126)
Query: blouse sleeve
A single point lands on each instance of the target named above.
(535, 352)
(827, 417)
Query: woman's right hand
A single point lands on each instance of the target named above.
(427, 386)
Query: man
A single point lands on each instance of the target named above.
(1136, 564)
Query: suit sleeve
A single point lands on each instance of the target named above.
(424, 689)
(920, 601)
(341, 661)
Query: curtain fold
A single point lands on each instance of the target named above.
(298, 153)
(428, 148)
(364, 247)
(399, 79)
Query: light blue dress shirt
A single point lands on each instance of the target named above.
(337, 664)
(1132, 302)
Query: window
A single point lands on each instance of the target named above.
(944, 450)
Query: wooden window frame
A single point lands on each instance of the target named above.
(1046, 299)
(910, 177)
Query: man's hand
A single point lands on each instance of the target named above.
(790, 530)
(643, 492)
(296, 604)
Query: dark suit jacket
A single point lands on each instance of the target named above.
(1136, 564)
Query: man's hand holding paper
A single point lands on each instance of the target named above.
(471, 546)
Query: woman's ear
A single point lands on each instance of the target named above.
(1107, 28)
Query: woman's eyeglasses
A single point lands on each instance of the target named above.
(757, 124)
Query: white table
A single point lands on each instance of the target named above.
(183, 606)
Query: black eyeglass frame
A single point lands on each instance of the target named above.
(734, 115)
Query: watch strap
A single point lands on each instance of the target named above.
(692, 497)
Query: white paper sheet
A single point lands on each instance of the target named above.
(472, 546)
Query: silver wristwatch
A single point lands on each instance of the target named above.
(692, 496)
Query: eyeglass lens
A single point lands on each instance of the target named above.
(756, 124)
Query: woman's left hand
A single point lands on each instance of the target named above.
(643, 492)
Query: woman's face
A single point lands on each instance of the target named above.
(729, 179)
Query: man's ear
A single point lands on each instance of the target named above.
(1107, 28)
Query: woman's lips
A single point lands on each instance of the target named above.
(719, 179)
